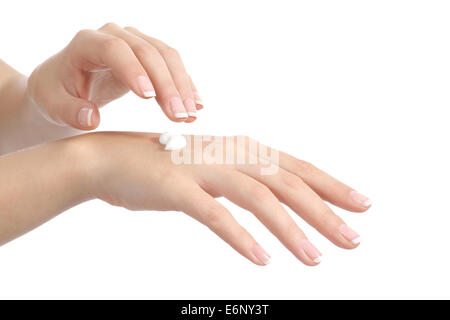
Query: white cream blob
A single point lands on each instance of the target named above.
(176, 142)
(172, 141)
(164, 137)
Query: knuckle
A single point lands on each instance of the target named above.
(83, 34)
(109, 26)
(259, 192)
(113, 43)
(241, 232)
(131, 29)
(169, 51)
(183, 85)
(292, 181)
(184, 78)
(144, 49)
(292, 230)
(302, 166)
(167, 87)
(212, 215)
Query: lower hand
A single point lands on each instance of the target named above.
(133, 171)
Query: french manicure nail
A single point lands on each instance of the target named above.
(85, 117)
(261, 254)
(197, 98)
(360, 198)
(349, 234)
(146, 87)
(311, 251)
(181, 115)
(190, 107)
(177, 108)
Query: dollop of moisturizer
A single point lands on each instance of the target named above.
(172, 141)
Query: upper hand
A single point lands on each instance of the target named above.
(101, 65)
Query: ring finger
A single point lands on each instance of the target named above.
(253, 196)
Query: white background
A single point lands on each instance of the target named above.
(359, 88)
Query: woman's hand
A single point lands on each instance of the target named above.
(132, 170)
(99, 66)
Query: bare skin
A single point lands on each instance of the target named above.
(47, 167)
(132, 170)
(63, 94)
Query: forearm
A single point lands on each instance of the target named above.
(39, 183)
(21, 123)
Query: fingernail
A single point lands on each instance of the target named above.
(146, 87)
(177, 108)
(85, 117)
(190, 107)
(311, 251)
(197, 98)
(261, 254)
(360, 198)
(349, 234)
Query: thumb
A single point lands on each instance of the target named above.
(76, 112)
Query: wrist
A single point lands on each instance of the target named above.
(22, 121)
(35, 109)
(81, 161)
(94, 165)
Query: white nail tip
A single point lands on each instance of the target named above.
(367, 203)
(356, 240)
(175, 143)
(149, 94)
(267, 261)
(89, 117)
(180, 115)
(192, 114)
(317, 260)
(200, 102)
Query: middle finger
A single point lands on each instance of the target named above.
(167, 93)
